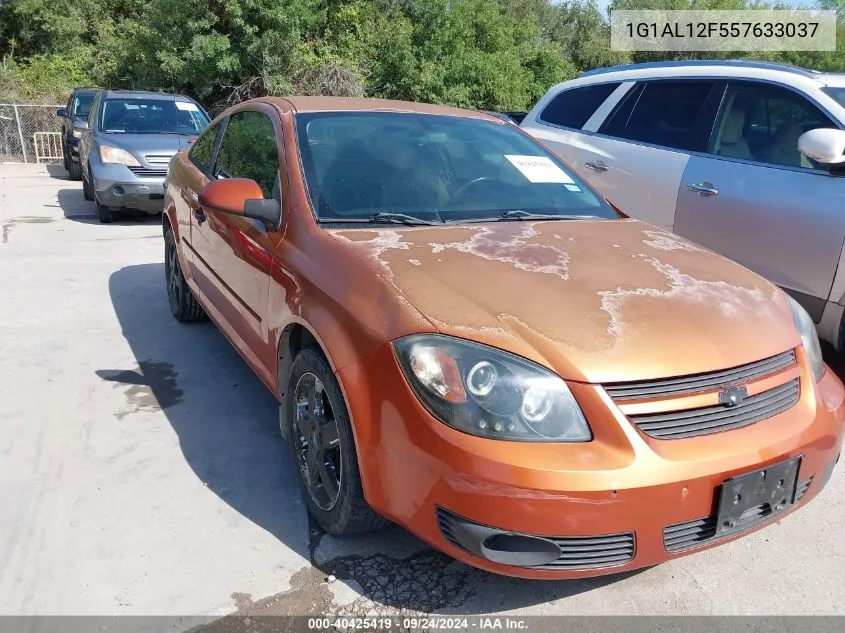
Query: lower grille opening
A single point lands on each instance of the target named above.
(536, 552)
(683, 536)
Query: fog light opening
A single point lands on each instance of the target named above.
(117, 190)
(519, 549)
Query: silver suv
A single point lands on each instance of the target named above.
(127, 147)
(746, 158)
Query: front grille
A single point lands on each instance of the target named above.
(716, 419)
(146, 172)
(696, 383)
(444, 522)
(576, 552)
(802, 488)
(685, 535)
(689, 534)
(592, 552)
(158, 159)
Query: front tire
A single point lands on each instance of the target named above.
(87, 190)
(183, 304)
(323, 448)
(74, 169)
(104, 214)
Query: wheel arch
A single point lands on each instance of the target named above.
(294, 338)
(168, 223)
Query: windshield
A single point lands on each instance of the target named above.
(152, 116)
(434, 168)
(82, 106)
(837, 93)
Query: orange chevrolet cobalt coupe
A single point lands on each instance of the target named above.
(466, 339)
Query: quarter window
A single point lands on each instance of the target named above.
(574, 107)
(203, 149)
(248, 150)
(666, 113)
(763, 123)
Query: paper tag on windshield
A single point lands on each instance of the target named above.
(187, 106)
(539, 169)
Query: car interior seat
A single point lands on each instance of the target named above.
(784, 145)
(731, 141)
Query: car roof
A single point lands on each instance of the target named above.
(748, 69)
(356, 104)
(140, 94)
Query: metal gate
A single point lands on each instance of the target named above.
(29, 133)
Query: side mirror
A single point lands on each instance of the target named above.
(824, 145)
(62, 112)
(240, 196)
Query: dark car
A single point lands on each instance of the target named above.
(127, 147)
(74, 120)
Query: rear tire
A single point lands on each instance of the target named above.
(74, 169)
(183, 304)
(323, 448)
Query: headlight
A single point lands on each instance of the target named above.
(116, 155)
(77, 133)
(809, 338)
(488, 392)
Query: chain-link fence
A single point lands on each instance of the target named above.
(30, 133)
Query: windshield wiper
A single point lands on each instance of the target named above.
(379, 218)
(397, 218)
(519, 214)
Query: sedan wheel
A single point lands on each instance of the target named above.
(316, 436)
(183, 304)
(323, 448)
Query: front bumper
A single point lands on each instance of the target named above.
(118, 186)
(624, 491)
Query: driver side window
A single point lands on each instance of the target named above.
(248, 150)
(763, 123)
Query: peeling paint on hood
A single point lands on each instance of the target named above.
(595, 300)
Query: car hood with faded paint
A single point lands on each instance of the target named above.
(598, 301)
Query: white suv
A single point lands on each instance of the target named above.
(710, 150)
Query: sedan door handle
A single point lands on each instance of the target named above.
(704, 188)
(596, 166)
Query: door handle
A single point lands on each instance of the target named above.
(596, 166)
(704, 188)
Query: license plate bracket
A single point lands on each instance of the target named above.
(747, 499)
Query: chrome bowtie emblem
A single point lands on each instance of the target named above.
(732, 396)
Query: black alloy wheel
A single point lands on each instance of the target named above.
(316, 438)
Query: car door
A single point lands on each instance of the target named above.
(561, 121)
(185, 179)
(639, 153)
(754, 198)
(86, 140)
(232, 254)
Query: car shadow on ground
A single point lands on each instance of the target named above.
(57, 171)
(226, 421)
(224, 417)
(75, 207)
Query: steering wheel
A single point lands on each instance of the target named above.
(467, 186)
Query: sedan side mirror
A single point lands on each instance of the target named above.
(62, 112)
(240, 196)
(824, 145)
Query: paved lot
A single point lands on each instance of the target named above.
(140, 470)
